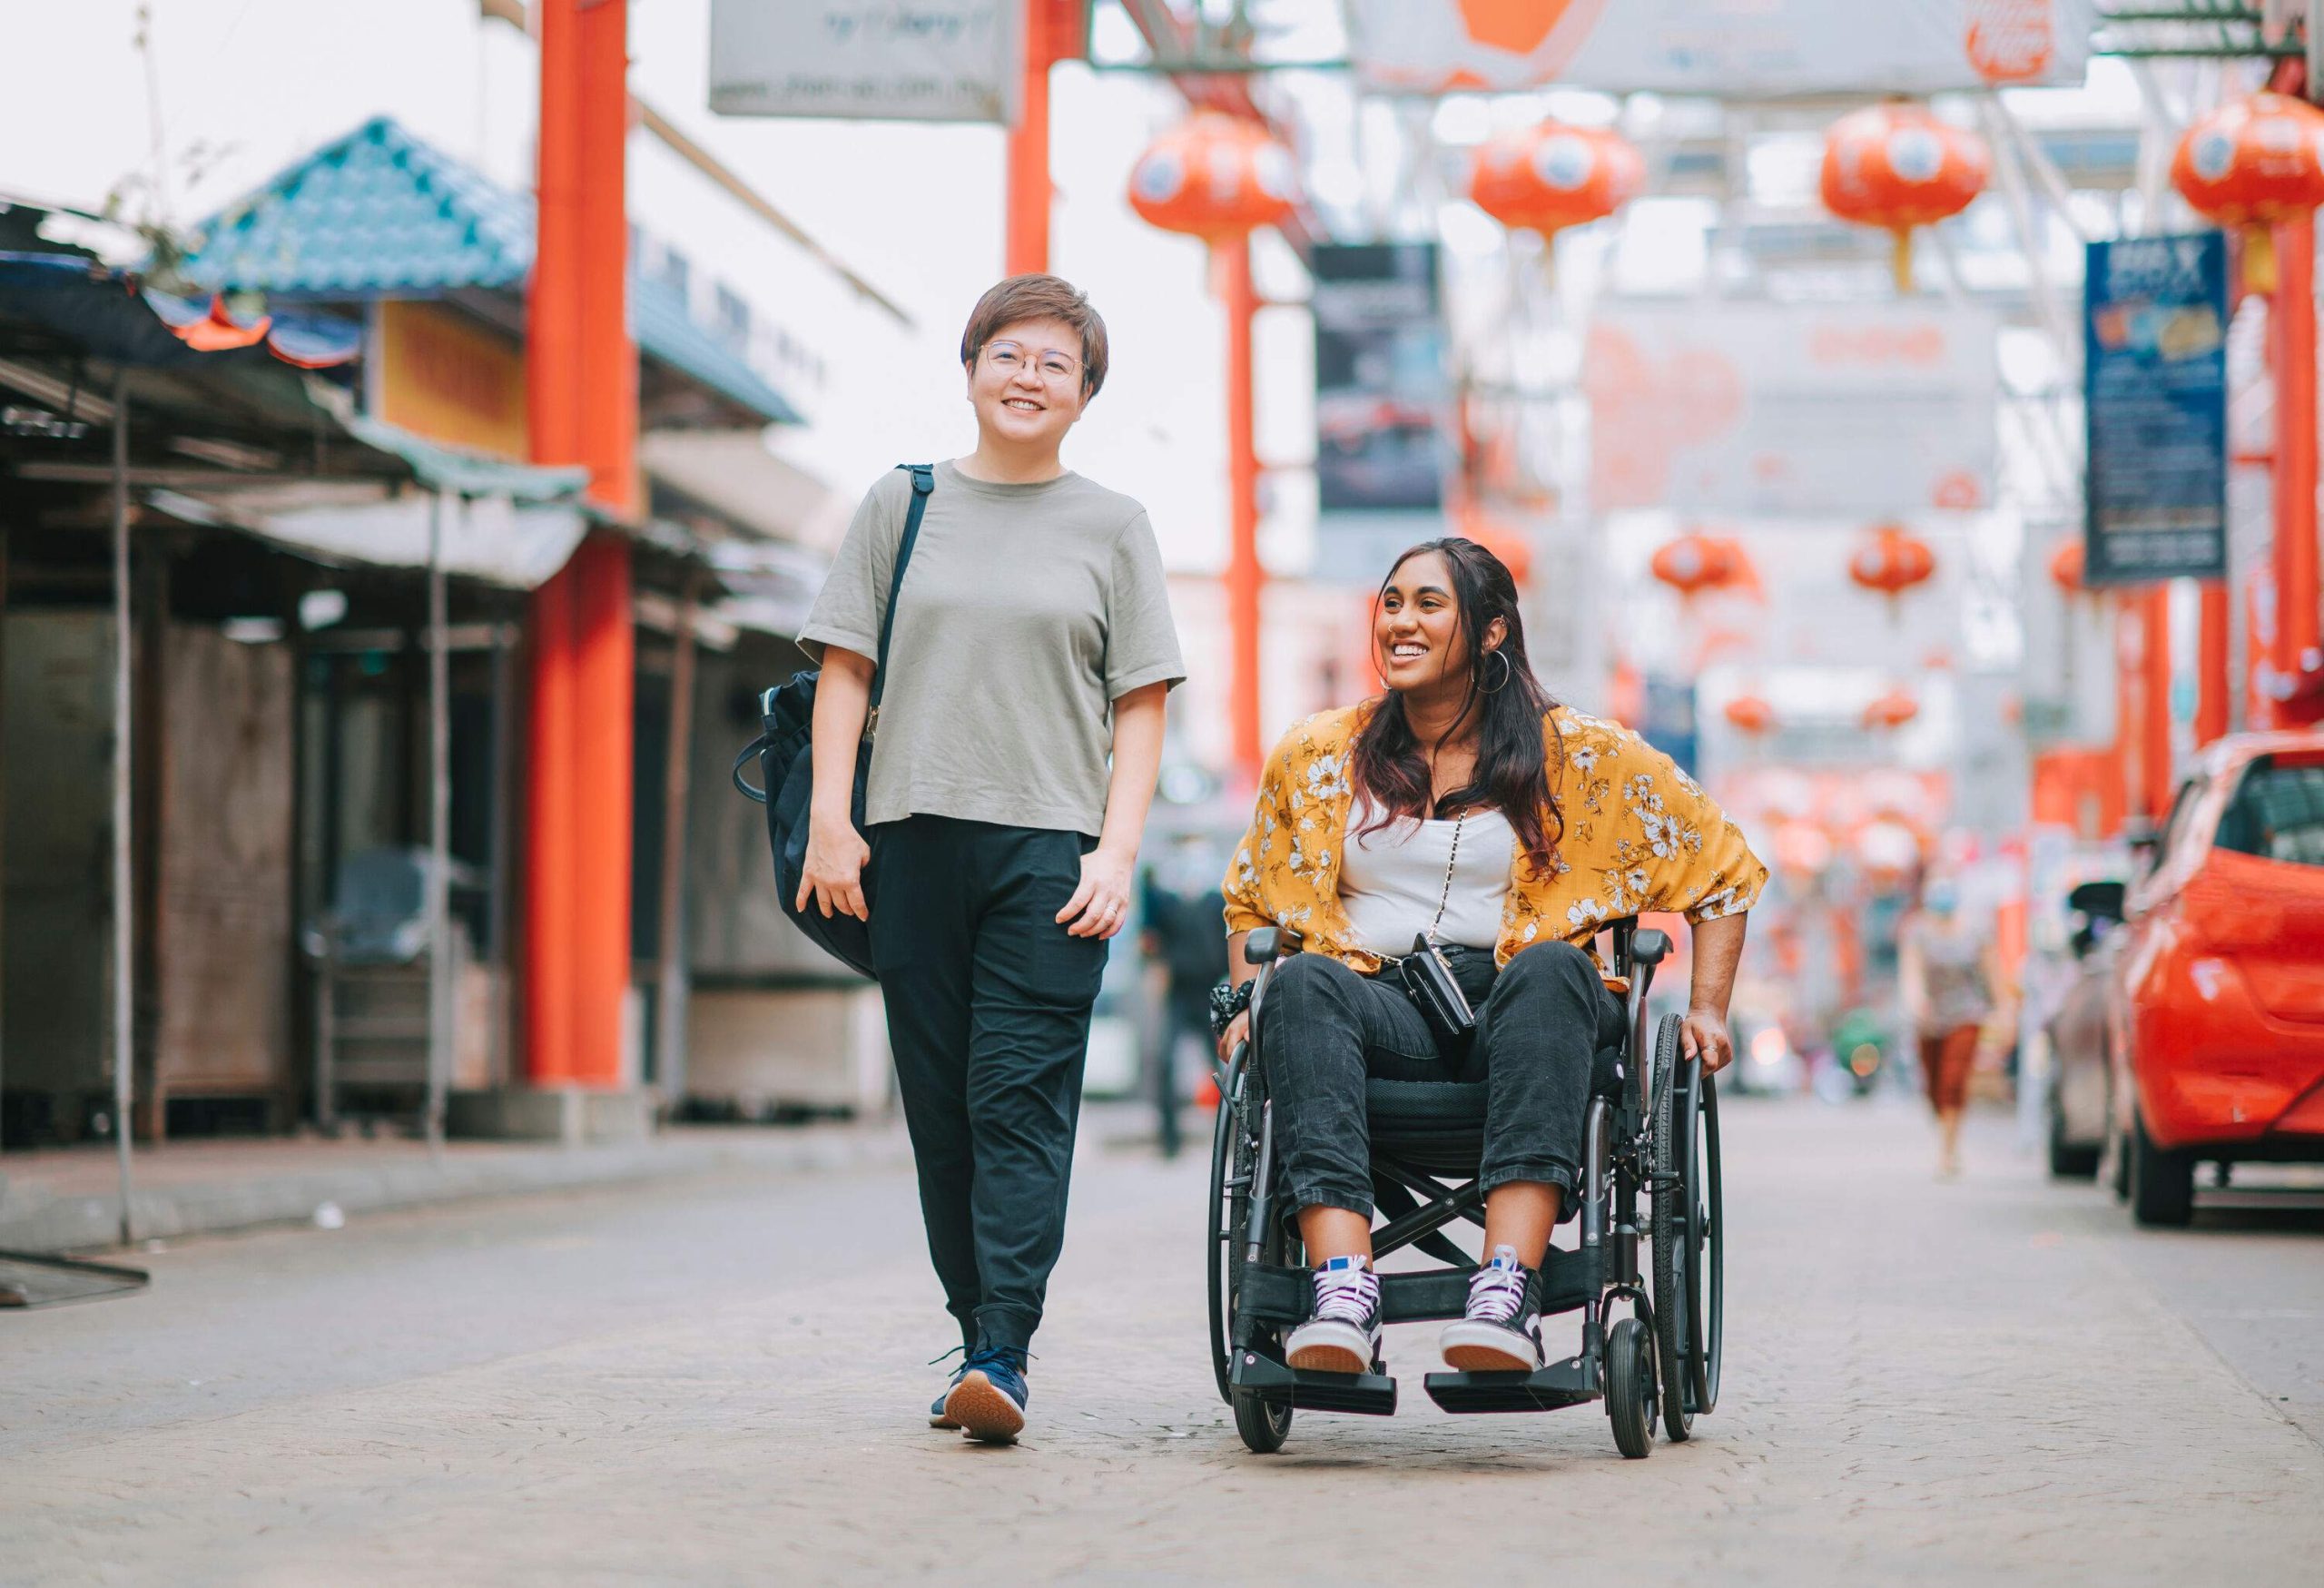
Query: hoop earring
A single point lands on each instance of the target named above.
(1508, 671)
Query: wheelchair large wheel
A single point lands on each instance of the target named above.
(1687, 1235)
(1629, 1388)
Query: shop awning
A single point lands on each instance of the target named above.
(514, 545)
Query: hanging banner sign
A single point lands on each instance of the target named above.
(1793, 410)
(1381, 402)
(866, 60)
(2154, 401)
(1728, 49)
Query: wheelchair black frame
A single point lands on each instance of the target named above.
(1264, 1299)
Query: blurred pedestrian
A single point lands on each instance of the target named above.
(1184, 907)
(1032, 644)
(1946, 973)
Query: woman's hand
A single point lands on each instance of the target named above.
(1102, 901)
(1703, 1035)
(833, 873)
(1238, 1031)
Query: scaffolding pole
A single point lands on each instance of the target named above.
(439, 830)
(125, 963)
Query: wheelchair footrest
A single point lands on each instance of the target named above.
(1569, 1383)
(1370, 1394)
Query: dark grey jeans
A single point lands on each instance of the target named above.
(1540, 1025)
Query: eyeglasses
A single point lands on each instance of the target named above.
(1054, 368)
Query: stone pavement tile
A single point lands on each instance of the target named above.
(1926, 1383)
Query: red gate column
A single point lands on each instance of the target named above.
(581, 376)
(1026, 249)
(2211, 681)
(1244, 577)
(2293, 317)
(2154, 702)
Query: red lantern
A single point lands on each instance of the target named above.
(1694, 563)
(2066, 565)
(1212, 176)
(2251, 163)
(1750, 714)
(1897, 166)
(1891, 563)
(1549, 177)
(1892, 710)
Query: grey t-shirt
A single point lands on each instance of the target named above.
(1027, 612)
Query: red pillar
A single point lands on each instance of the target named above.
(1244, 577)
(2211, 682)
(2154, 689)
(2292, 319)
(581, 374)
(1027, 248)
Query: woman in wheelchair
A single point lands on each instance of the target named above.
(1462, 822)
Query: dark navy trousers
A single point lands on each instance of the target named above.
(989, 1000)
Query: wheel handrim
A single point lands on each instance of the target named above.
(1706, 1257)
(1222, 1247)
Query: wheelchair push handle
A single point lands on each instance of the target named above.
(1267, 944)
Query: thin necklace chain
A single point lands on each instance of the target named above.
(1451, 861)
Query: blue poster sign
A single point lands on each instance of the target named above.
(2154, 390)
(1380, 403)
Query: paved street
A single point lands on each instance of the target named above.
(720, 1381)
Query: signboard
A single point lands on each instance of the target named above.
(1729, 49)
(1791, 410)
(2154, 399)
(446, 375)
(866, 60)
(1381, 403)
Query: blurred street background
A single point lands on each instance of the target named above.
(424, 426)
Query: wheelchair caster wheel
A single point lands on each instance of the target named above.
(1263, 1426)
(1629, 1388)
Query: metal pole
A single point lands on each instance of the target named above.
(124, 968)
(439, 833)
(670, 988)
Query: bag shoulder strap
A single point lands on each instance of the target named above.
(923, 481)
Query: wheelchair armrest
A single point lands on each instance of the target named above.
(1650, 946)
(1268, 944)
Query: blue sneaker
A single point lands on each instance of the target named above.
(938, 1417)
(988, 1400)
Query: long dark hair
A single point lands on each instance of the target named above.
(1389, 767)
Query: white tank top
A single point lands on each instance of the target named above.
(1390, 880)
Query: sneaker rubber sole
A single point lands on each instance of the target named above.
(1331, 1347)
(1487, 1348)
(938, 1417)
(982, 1410)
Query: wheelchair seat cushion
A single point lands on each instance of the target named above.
(1441, 1124)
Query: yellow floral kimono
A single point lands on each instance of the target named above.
(1640, 835)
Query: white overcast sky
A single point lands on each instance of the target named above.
(917, 209)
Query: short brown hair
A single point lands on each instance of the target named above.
(1021, 298)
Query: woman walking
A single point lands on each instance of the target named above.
(1033, 643)
(1944, 972)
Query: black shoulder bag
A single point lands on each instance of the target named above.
(785, 752)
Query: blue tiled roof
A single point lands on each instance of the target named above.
(379, 214)
(379, 211)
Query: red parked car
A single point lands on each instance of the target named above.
(2216, 1020)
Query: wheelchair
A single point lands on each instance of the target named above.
(1652, 1133)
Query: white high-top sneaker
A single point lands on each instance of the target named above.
(1344, 1335)
(1497, 1335)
